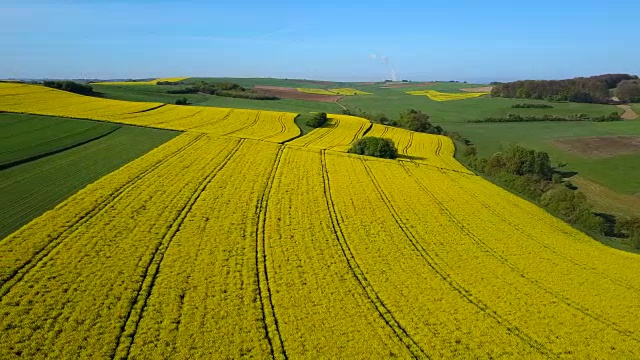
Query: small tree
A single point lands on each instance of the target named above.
(629, 90)
(631, 228)
(316, 120)
(375, 146)
(416, 120)
(572, 206)
(182, 101)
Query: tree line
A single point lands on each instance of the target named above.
(70, 86)
(594, 89)
(529, 172)
(614, 116)
(531, 106)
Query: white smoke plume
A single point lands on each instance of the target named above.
(386, 61)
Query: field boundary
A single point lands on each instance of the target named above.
(567, 301)
(19, 273)
(544, 245)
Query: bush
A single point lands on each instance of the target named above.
(416, 120)
(631, 228)
(375, 146)
(182, 101)
(572, 206)
(614, 116)
(629, 90)
(531, 106)
(69, 86)
(316, 120)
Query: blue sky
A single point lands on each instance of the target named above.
(476, 41)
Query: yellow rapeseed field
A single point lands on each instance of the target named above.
(440, 96)
(338, 134)
(434, 150)
(338, 91)
(219, 244)
(151, 82)
(349, 91)
(316, 91)
(251, 124)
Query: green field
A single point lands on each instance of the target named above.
(27, 137)
(620, 173)
(383, 100)
(146, 93)
(34, 187)
(392, 101)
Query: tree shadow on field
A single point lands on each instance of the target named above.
(409, 158)
(566, 174)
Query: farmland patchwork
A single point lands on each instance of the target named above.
(238, 239)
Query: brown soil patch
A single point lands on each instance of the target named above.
(478, 89)
(606, 200)
(292, 93)
(600, 146)
(629, 113)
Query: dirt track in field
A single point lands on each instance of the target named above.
(292, 93)
(478, 89)
(600, 146)
(606, 200)
(629, 113)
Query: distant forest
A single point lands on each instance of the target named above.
(594, 89)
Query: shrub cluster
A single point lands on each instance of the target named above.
(375, 146)
(614, 116)
(414, 120)
(316, 120)
(629, 90)
(182, 101)
(531, 106)
(630, 228)
(530, 173)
